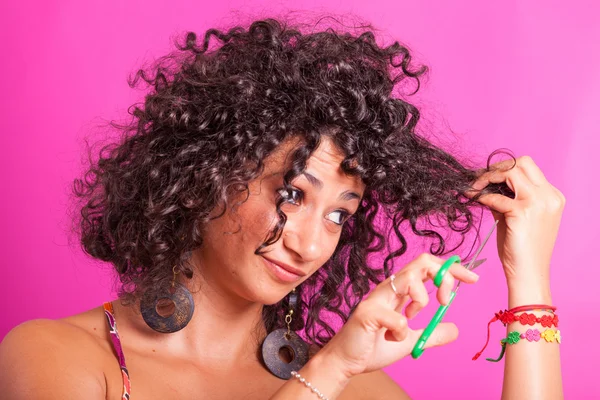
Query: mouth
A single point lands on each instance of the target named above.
(283, 272)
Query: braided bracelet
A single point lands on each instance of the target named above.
(532, 335)
(532, 307)
(308, 385)
(508, 316)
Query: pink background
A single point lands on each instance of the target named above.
(518, 74)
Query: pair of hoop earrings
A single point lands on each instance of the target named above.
(277, 342)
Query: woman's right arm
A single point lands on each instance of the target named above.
(46, 359)
(377, 334)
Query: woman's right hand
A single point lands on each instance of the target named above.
(377, 333)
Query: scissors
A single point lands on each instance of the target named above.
(419, 348)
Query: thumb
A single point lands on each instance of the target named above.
(444, 333)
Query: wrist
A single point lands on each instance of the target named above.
(324, 372)
(329, 360)
(523, 293)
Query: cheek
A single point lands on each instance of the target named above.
(331, 239)
(330, 246)
(248, 226)
(257, 220)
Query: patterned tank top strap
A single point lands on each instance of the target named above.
(116, 341)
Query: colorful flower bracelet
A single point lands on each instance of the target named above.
(509, 316)
(532, 335)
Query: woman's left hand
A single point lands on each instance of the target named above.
(527, 225)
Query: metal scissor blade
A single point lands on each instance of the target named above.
(478, 263)
(474, 260)
(474, 263)
(473, 266)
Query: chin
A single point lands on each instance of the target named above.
(271, 300)
(271, 297)
(268, 294)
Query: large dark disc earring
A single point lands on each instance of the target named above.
(285, 341)
(183, 304)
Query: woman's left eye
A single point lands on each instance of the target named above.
(341, 218)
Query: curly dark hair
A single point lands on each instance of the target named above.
(211, 118)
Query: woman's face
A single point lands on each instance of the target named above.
(323, 198)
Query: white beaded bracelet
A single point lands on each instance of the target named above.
(308, 385)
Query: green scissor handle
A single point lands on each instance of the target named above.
(419, 348)
(437, 281)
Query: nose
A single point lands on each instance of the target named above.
(304, 237)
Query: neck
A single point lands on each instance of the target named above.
(224, 329)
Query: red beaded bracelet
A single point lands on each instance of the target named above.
(508, 316)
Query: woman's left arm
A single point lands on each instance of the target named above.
(531, 370)
(527, 230)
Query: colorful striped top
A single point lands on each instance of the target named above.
(116, 341)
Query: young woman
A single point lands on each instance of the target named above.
(239, 210)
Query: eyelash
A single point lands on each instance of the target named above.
(283, 193)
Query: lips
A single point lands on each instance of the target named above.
(286, 267)
(282, 272)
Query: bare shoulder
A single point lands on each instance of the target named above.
(376, 385)
(50, 359)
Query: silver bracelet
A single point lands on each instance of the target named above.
(308, 385)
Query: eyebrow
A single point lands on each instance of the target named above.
(346, 195)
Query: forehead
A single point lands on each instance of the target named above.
(324, 162)
(326, 153)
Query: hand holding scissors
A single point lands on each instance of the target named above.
(439, 315)
(377, 332)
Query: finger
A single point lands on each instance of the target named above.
(516, 180)
(419, 300)
(444, 333)
(412, 276)
(507, 164)
(461, 273)
(456, 271)
(393, 321)
(532, 171)
(403, 302)
(447, 285)
(498, 203)
(419, 266)
(409, 286)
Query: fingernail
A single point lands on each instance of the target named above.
(473, 274)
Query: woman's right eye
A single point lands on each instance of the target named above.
(292, 196)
